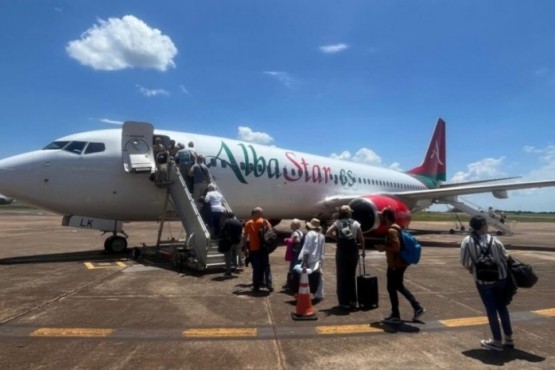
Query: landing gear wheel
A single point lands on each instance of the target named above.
(115, 244)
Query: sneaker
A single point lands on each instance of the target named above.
(392, 319)
(418, 312)
(270, 288)
(509, 343)
(227, 274)
(491, 344)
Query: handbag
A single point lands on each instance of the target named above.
(524, 275)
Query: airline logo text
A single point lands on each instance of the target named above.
(295, 168)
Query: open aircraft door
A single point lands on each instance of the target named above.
(136, 144)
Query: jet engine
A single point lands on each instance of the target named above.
(365, 211)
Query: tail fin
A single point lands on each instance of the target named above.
(434, 168)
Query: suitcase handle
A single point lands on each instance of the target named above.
(361, 262)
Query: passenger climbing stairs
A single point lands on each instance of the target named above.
(198, 251)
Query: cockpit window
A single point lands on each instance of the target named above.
(55, 145)
(76, 147)
(95, 148)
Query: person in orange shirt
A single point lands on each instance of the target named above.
(260, 260)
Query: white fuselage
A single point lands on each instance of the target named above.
(285, 183)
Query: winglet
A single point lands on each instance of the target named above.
(433, 169)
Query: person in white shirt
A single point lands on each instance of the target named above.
(313, 253)
(480, 243)
(215, 199)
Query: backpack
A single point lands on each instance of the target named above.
(486, 267)
(268, 238)
(410, 247)
(345, 235)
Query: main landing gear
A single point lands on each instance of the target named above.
(115, 244)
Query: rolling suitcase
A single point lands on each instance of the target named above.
(367, 288)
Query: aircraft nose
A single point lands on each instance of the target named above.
(16, 174)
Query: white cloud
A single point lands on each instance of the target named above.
(246, 134)
(344, 155)
(283, 77)
(117, 44)
(396, 166)
(363, 155)
(184, 89)
(366, 155)
(481, 170)
(333, 49)
(152, 92)
(111, 121)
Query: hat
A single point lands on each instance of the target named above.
(313, 224)
(345, 208)
(477, 222)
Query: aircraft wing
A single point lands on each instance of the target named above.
(453, 190)
(496, 189)
(456, 184)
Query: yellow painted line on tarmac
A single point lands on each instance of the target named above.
(71, 332)
(102, 265)
(465, 321)
(347, 329)
(547, 312)
(221, 332)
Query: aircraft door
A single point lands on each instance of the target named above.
(136, 145)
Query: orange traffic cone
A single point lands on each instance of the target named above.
(304, 309)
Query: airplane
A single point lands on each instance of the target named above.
(101, 179)
(5, 200)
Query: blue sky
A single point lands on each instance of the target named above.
(363, 80)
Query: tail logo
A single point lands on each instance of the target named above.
(435, 154)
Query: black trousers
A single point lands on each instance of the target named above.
(346, 260)
(394, 285)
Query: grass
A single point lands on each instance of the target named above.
(464, 218)
(418, 216)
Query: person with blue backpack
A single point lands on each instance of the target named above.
(396, 267)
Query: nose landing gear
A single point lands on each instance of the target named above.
(115, 244)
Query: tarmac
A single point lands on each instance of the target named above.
(68, 305)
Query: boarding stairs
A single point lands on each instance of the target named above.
(199, 250)
(502, 228)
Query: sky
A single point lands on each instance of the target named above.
(360, 80)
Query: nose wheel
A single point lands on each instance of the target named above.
(115, 244)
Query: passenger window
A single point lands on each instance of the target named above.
(75, 147)
(223, 163)
(95, 148)
(55, 145)
(213, 162)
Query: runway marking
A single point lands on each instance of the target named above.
(465, 321)
(221, 332)
(261, 332)
(71, 332)
(550, 312)
(102, 265)
(346, 329)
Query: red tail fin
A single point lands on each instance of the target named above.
(434, 168)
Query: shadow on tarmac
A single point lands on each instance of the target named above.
(489, 357)
(403, 327)
(84, 256)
